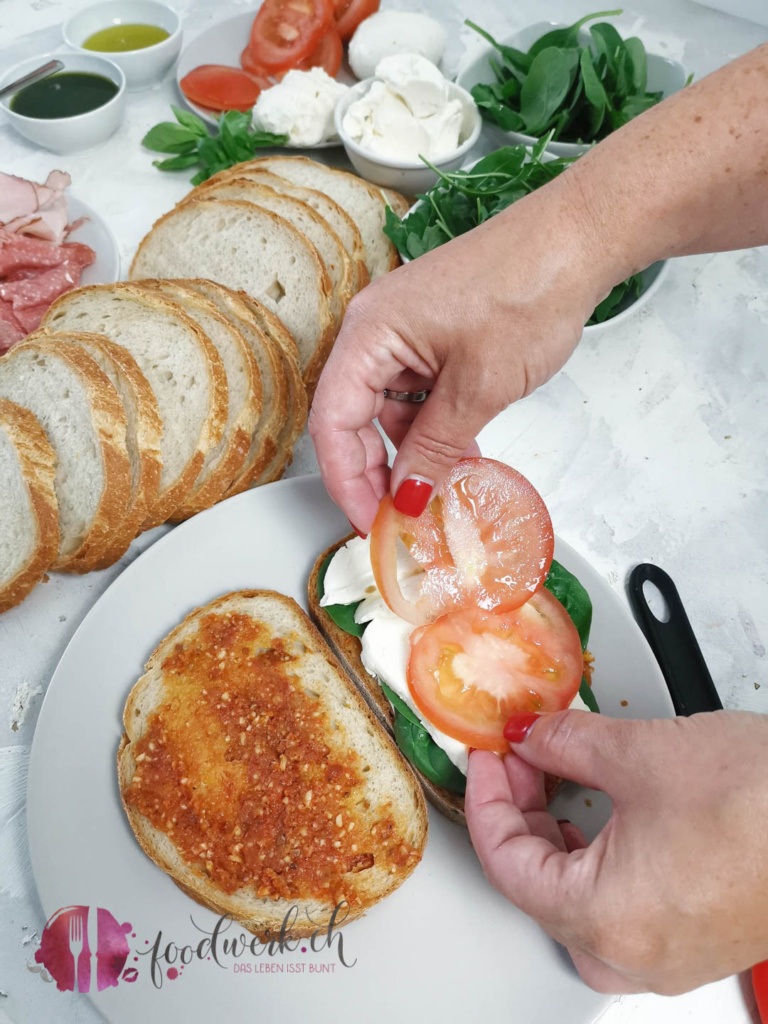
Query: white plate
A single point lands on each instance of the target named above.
(95, 233)
(443, 944)
(222, 44)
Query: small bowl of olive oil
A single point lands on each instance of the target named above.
(143, 37)
(77, 108)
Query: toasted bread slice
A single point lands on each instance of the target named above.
(252, 771)
(29, 512)
(266, 441)
(245, 247)
(223, 463)
(180, 363)
(364, 203)
(347, 649)
(329, 210)
(85, 423)
(144, 429)
(314, 228)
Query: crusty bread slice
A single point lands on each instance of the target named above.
(297, 388)
(329, 210)
(85, 423)
(224, 462)
(364, 203)
(274, 407)
(29, 512)
(144, 429)
(245, 247)
(252, 771)
(314, 228)
(180, 363)
(347, 649)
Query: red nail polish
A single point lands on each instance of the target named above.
(563, 821)
(471, 750)
(362, 536)
(518, 725)
(413, 496)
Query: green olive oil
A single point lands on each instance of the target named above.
(64, 95)
(121, 38)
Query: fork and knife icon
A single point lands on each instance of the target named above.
(77, 941)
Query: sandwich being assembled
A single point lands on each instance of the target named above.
(450, 622)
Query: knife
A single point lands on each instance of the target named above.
(687, 677)
(673, 642)
(93, 949)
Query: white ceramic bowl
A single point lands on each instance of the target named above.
(68, 134)
(664, 75)
(406, 176)
(144, 67)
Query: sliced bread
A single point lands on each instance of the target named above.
(364, 203)
(316, 230)
(85, 423)
(297, 797)
(29, 512)
(274, 407)
(245, 247)
(330, 211)
(224, 462)
(144, 429)
(180, 363)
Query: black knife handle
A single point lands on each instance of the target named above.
(673, 642)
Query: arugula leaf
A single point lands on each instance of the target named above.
(461, 200)
(191, 141)
(579, 93)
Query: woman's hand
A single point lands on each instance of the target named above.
(482, 321)
(673, 892)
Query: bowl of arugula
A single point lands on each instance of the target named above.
(463, 199)
(578, 82)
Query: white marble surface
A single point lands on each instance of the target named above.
(649, 446)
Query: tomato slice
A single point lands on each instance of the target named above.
(219, 87)
(249, 63)
(327, 54)
(484, 540)
(349, 14)
(286, 31)
(470, 669)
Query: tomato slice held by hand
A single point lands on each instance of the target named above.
(349, 14)
(485, 540)
(470, 669)
(286, 31)
(219, 87)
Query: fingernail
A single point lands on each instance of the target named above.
(413, 496)
(471, 750)
(519, 725)
(362, 536)
(563, 821)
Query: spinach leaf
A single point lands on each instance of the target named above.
(579, 93)
(548, 82)
(342, 614)
(587, 695)
(573, 597)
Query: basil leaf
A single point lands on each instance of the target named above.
(176, 163)
(586, 694)
(190, 121)
(168, 137)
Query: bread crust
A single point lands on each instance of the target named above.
(149, 429)
(200, 888)
(109, 424)
(38, 466)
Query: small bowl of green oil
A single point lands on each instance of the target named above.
(79, 107)
(143, 37)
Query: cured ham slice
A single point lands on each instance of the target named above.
(37, 265)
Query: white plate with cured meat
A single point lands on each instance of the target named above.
(95, 233)
(444, 947)
(223, 43)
